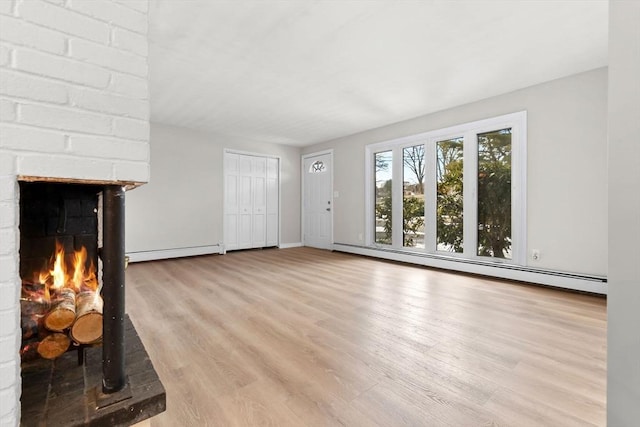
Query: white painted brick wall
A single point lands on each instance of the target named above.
(31, 139)
(110, 11)
(61, 67)
(130, 41)
(6, 6)
(131, 129)
(18, 31)
(7, 110)
(131, 86)
(5, 55)
(74, 103)
(64, 20)
(117, 105)
(108, 148)
(139, 5)
(20, 85)
(67, 119)
(108, 57)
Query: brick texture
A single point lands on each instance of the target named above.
(7, 110)
(64, 20)
(108, 57)
(6, 7)
(62, 68)
(74, 103)
(63, 118)
(25, 34)
(112, 12)
(29, 139)
(24, 86)
(134, 87)
(130, 41)
(5, 55)
(139, 5)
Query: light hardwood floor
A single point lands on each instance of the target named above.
(304, 337)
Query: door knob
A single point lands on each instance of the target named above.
(328, 209)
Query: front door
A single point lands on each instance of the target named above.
(318, 203)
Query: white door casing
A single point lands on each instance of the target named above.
(317, 175)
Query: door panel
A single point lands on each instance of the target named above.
(244, 232)
(318, 199)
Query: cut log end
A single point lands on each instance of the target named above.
(87, 329)
(59, 319)
(53, 346)
(63, 314)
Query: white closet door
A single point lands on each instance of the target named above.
(259, 217)
(245, 202)
(231, 208)
(272, 202)
(251, 206)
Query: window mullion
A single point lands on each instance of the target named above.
(470, 194)
(430, 190)
(397, 198)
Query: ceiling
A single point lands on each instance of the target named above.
(302, 72)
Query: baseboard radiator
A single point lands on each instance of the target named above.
(158, 254)
(560, 279)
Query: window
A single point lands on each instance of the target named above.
(494, 193)
(413, 196)
(455, 192)
(449, 195)
(384, 197)
(317, 167)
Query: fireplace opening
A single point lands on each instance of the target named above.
(61, 305)
(79, 350)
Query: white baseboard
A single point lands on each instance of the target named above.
(174, 253)
(578, 282)
(290, 245)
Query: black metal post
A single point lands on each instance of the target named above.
(113, 351)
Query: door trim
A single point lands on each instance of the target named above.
(302, 190)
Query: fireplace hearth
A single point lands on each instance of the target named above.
(61, 392)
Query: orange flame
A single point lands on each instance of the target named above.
(75, 276)
(82, 278)
(59, 272)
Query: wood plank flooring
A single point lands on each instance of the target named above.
(304, 337)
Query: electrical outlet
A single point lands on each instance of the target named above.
(535, 254)
(360, 237)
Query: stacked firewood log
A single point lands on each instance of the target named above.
(52, 319)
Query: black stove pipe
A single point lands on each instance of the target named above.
(113, 253)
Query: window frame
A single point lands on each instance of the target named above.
(518, 123)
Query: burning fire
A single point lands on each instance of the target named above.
(60, 274)
(62, 303)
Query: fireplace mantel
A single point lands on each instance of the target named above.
(129, 185)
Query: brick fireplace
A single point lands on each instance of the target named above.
(74, 108)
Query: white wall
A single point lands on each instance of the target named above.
(623, 303)
(181, 207)
(74, 103)
(567, 181)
